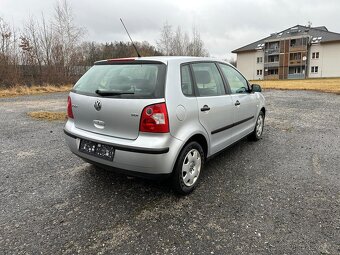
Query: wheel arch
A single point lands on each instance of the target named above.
(199, 138)
(263, 109)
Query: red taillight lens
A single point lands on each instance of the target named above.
(120, 60)
(69, 108)
(154, 119)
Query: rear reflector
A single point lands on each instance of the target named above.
(154, 119)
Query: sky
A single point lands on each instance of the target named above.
(224, 25)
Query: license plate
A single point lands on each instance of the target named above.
(97, 149)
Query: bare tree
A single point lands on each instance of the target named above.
(196, 47)
(67, 36)
(5, 42)
(46, 38)
(177, 46)
(8, 56)
(179, 43)
(31, 47)
(232, 61)
(164, 44)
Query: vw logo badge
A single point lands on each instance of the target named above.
(98, 105)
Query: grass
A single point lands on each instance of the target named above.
(50, 116)
(331, 85)
(24, 90)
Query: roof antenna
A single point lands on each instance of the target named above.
(130, 39)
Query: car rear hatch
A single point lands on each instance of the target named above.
(111, 96)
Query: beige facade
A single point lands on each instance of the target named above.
(330, 60)
(315, 57)
(251, 64)
(259, 70)
(245, 63)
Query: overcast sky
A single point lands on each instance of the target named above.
(224, 25)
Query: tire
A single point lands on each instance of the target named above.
(258, 130)
(188, 168)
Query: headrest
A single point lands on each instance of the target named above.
(202, 77)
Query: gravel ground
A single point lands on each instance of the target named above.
(280, 195)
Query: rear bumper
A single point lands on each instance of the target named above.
(149, 154)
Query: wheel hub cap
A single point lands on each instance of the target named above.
(191, 167)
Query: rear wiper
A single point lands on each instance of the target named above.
(112, 93)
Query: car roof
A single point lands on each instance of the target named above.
(164, 59)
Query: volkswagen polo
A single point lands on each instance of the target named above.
(161, 116)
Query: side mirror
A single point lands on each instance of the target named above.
(256, 88)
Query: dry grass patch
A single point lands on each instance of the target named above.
(24, 90)
(50, 116)
(323, 85)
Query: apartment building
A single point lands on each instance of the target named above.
(298, 52)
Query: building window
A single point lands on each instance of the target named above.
(297, 70)
(314, 69)
(259, 60)
(273, 59)
(292, 43)
(295, 56)
(273, 71)
(315, 55)
(259, 72)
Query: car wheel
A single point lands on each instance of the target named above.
(188, 168)
(258, 130)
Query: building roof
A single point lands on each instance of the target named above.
(316, 34)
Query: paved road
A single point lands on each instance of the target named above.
(280, 195)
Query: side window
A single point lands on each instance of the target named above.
(186, 82)
(208, 79)
(236, 81)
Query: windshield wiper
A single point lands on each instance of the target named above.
(112, 93)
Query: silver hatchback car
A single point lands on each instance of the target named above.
(161, 116)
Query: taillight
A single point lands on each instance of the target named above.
(154, 119)
(69, 108)
(120, 60)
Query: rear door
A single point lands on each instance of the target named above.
(134, 86)
(214, 105)
(245, 103)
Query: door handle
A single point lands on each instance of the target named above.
(205, 108)
(237, 103)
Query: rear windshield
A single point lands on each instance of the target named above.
(137, 80)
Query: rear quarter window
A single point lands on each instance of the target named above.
(138, 80)
(186, 81)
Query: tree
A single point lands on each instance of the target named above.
(31, 47)
(8, 54)
(196, 47)
(232, 61)
(180, 44)
(164, 44)
(67, 37)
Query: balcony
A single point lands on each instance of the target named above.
(297, 48)
(296, 76)
(297, 62)
(271, 64)
(272, 51)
